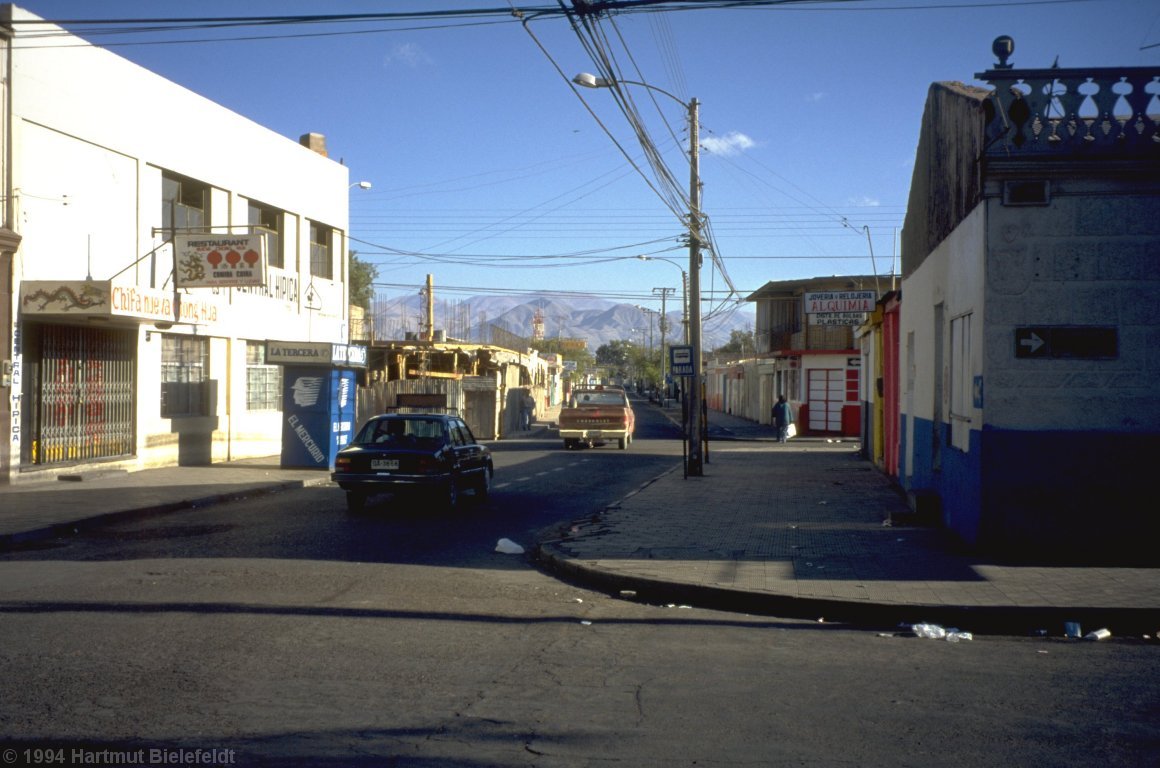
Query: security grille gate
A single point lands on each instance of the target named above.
(83, 396)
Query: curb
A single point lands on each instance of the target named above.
(979, 620)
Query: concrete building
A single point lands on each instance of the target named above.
(1030, 343)
(806, 350)
(105, 359)
(878, 341)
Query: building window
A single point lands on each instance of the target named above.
(320, 247)
(184, 204)
(267, 222)
(185, 380)
(263, 382)
(961, 373)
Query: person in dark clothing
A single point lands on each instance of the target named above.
(782, 418)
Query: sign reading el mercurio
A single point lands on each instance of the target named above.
(838, 307)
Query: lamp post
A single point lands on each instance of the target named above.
(665, 321)
(349, 321)
(695, 461)
(684, 292)
(649, 314)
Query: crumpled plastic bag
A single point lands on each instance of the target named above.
(508, 547)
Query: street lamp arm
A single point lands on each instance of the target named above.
(588, 80)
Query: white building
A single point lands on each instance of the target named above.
(1030, 397)
(102, 163)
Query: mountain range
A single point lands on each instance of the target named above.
(502, 320)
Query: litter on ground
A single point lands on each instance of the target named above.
(508, 547)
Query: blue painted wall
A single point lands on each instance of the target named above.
(957, 482)
(1055, 496)
(1072, 495)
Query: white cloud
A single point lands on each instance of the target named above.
(731, 143)
(863, 202)
(816, 96)
(407, 54)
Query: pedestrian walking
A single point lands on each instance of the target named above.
(527, 410)
(782, 419)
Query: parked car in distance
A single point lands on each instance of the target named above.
(433, 455)
(596, 415)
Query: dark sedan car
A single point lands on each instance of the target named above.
(429, 453)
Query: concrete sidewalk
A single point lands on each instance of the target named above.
(806, 529)
(810, 529)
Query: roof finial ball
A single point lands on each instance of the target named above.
(1003, 47)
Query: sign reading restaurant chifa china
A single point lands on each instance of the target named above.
(207, 261)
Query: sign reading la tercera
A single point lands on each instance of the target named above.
(205, 261)
(839, 307)
(315, 353)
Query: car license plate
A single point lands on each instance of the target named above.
(384, 463)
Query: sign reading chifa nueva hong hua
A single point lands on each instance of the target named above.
(206, 261)
(838, 307)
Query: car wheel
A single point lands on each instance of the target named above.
(569, 444)
(483, 486)
(451, 496)
(622, 443)
(356, 502)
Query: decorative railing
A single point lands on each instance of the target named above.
(1107, 112)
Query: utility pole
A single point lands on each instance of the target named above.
(695, 459)
(696, 423)
(429, 331)
(664, 355)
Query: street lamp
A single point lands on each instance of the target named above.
(695, 465)
(684, 292)
(360, 185)
(649, 314)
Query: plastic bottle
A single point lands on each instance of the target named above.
(929, 631)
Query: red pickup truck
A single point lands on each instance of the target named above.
(596, 415)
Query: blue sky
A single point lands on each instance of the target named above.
(490, 173)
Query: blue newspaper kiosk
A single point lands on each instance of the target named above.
(318, 399)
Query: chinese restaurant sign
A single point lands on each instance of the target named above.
(101, 298)
(205, 261)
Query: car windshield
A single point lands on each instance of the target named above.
(403, 433)
(599, 398)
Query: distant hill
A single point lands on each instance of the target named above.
(598, 321)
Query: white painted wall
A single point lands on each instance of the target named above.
(91, 136)
(952, 275)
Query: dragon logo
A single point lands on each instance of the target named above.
(90, 296)
(192, 268)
